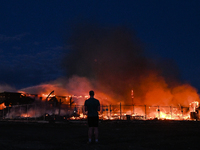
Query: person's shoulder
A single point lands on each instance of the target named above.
(96, 99)
(86, 101)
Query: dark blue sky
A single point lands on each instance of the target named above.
(31, 34)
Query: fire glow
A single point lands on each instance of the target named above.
(112, 109)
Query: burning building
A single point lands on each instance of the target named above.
(113, 63)
(51, 107)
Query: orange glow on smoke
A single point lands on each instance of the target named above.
(157, 92)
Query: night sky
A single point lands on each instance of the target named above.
(35, 34)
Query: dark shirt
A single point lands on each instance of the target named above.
(92, 106)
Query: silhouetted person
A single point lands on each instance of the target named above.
(92, 106)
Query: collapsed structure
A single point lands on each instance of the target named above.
(52, 107)
(14, 98)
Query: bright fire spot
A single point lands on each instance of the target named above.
(25, 115)
(193, 106)
(2, 106)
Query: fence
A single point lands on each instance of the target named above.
(144, 112)
(121, 112)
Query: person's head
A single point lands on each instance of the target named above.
(91, 93)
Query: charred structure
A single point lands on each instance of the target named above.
(12, 98)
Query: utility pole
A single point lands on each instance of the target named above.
(132, 97)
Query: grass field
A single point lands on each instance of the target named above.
(136, 135)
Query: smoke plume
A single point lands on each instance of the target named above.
(113, 61)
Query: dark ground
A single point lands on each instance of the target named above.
(137, 135)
